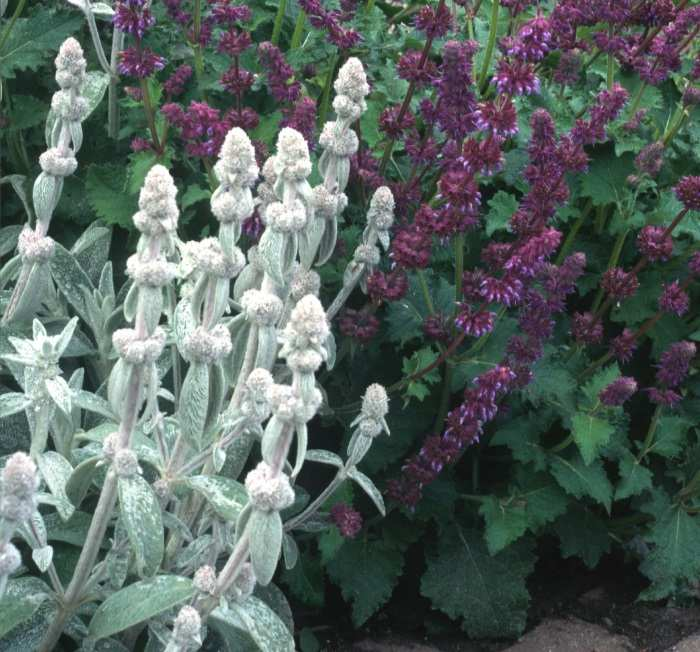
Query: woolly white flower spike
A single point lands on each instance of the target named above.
(70, 65)
(261, 308)
(380, 216)
(158, 212)
(370, 423)
(307, 328)
(33, 247)
(352, 81)
(187, 631)
(268, 491)
(292, 161)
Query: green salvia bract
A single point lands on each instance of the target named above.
(252, 334)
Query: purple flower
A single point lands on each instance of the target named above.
(533, 40)
(302, 117)
(674, 299)
(568, 69)
(346, 519)
(619, 284)
(586, 329)
(237, 80)
(691, 96)
(280, 75)
(141, 64)
(651, 159)
(674, 363)
(624, 346)
(474, 322)
(516, 78)
(227, 14)
(437, 327)
(175, 84)
(498, 116)
(133, 17)
(234, 42)
(694, 264)
(654, 244)
(506, 290)
(390, 124)
(411, 248)
(390, 286)
(412, 68)
(619, 391)
(688, 192)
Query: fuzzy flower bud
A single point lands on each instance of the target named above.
(266, 491)
(20, 478)
(688, 192)
(126, 464)
(288, 406)
(244, 584)
(138, 351)
(304, 282)
(10, 560)
(70, 65)
(208, 257)
(58, 162)
(305, 361)
(68, 106)
(292, 161)
(187, 629)
(328, 204)
(375, 402)
(34, 248)
(261, 308)
(346, 109)
(367, 255)
(158, 210)
(285, 218)
(342, 143)
(205, 580)
(352, 81)
(236, 165)
(381, 209)
(308, 326)
(206, 346)
(151, 273)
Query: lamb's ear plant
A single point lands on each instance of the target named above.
(187, 395)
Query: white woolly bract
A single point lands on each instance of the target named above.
(159, 212)
(20, 477)
(307, 325)
(262, 308)
(33, 247)
(375, 402)
(286, 218)
(152, 273)
(267, 491)
(69, 106)
(352, 81)
(258, 384)
(236, 165)
(70, 65)
(206, 346)
(204, 580)
(135, 350)
(367, 254)
(187, 628)
(244, 584)
(58, 162)
(381, 209)
(208, 257)
(292, 160)
(126, 463)
(10, 559)
(304, 282)
(341, 142)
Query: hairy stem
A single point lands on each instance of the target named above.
(490, 45)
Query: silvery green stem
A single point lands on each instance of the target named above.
(316, 504)
(345, 292)
(97, 41)
(112, 97)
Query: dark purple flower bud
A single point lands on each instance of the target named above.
(227, 14)
(390, 286)
(389, 122)
(586, 329)
(568, 69)
(533, 40)
(141, 144)
(302, 117)
(506, 290)
(358, 324)
(410, 68)
(619, 284)
(691, 96)
(674, 363)
(688, 192)
(624, 346)
(665, 397)
(498, 116)
(674, 299)
(280, 75)
(411, 248)
(651, 159)
(619, 391)
(437, 327)
(694, 264)
(346, 519)
(653, 244)
(234, 42)
(434, 21)
(175, 84)
(237, 80)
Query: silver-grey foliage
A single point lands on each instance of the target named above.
(164, 459)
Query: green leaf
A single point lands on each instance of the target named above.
(81, 479)
(16, 607)
(675, 556)
(580, 479)
(141, 515)
(139, 602)
(105, 191)
(13, 402)
(226, 496)
(329, 542)
(530, 506)
(522, 436)
(262, 624)
(501, 208)
(634, 478)
(606, 179)
(599, 382)
(194, 194)
(323, 457)
(420, 360)
(582, 534)
(670, 436)
(36, 39)
(305, 581)
(27, 111)
(369, 488)
(194, 403)
(266, 533)
(56, 470)
(366, 572)
(71, 280)
(487, 593)
(590, 433)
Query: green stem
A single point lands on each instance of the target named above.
(150, 116)
(6, 34)
(298, 31)
(637, 98)
(562, 445)
(279, 19)
(571, 237)
(648, 440)
(678, 121)
(490, 45)
(326, 96)
(614, 259)
(426, 291)
(459, 265)
(369, 6)
(611, 63)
